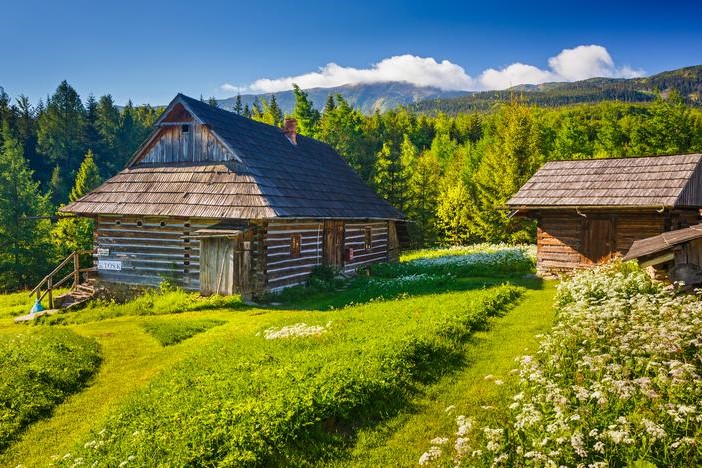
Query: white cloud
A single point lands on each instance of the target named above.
(517, 73)
(422, 71)
(578, 63)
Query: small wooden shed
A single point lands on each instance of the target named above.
(674, 255)
(589, 211)
(217, 202)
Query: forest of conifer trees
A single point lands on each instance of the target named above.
(451, 175)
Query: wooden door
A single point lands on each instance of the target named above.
(333, 243)
(217, 267)
(598, 241)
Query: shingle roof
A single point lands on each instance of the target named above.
(274, 179)
(668, 181)
(663, 242)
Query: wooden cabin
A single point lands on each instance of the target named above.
(589, 211)
(219, 203)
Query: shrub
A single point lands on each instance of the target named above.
(38, 371)
(288, 401)
(616, 382)
(479, 260)
(166, 300)
(170, 332)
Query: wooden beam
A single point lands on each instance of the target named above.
(658, 260)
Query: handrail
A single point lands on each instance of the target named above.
(49, 279)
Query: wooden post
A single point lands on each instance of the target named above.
(76, 269)
(50, 285)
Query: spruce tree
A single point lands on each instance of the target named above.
(387, 173)
(88, 178)
(247, 111)
(237, 104)
(61, 134)
(453, 214)
(24, 230)
(423, 193)
(513, 155)
(75, 233)
(304, 112)
(213, 101)
(330, 105)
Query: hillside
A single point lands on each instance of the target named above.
(687, 81)
(366, 97)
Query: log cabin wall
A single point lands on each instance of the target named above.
(285, 268)
(288, 264)
(146, 251)
(364, 255)
(562, 236)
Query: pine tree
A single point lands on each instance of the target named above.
(24, 233)
(247, 111)
(342, 128)
(304, 112)
(58, 187)
(237, 105)
(453, 214)
(88, 178)
(61, 134)
(512, 157)
(108, 125)
(273, 114)
(74, 233)
(330, 105)
(213, 101)
(387, 173)
(423, 190)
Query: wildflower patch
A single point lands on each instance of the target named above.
(616, 382)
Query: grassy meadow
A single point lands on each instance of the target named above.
(336, 373)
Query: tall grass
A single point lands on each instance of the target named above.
(161, 301)
(38, 370)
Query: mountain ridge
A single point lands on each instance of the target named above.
(372, 97)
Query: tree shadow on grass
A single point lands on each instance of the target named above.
(365, 290)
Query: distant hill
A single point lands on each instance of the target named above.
(366, 97)
(687, 81)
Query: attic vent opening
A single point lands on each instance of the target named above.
(185, 128)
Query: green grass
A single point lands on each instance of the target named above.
(227, 395)
(38, 370)
(296, 397)
(170, 332)
(402, 440)
(19, 303)
(153, 302)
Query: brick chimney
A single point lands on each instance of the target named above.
(290, 129)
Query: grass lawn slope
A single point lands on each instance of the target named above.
(188, 381)
(38, 370)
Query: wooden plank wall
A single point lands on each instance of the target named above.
(355, 237)
(151, 252)
(197, 145)
(282, 270)
(560, 235)
(558, 243)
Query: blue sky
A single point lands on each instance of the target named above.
(150, 50)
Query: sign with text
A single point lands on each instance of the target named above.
(113, 265)
(103, 252)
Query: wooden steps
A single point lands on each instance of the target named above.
(30, 317)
